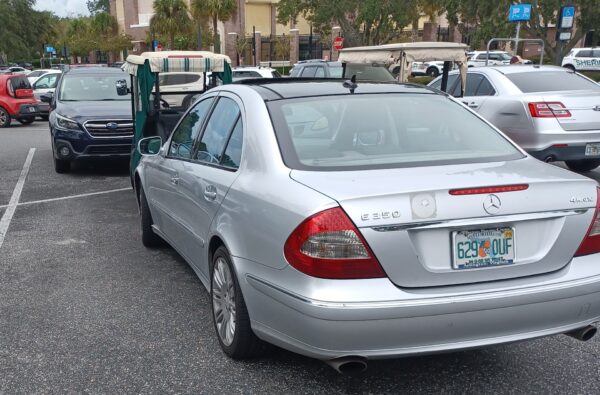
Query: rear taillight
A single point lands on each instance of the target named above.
(591, 242)
(9, 88)
(548, 110)
(328, 245)
(485, 190)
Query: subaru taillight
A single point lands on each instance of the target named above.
(549, 110)
(591, 242)
(328, 245)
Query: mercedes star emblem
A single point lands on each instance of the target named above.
(492, 204)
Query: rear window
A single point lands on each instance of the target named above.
(551, 81)
(20, 83)
(357, 132)
(368, 72)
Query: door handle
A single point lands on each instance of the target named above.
(210, 193)
(473, 105)
(175, 180)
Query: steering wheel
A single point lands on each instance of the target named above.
(164, 103)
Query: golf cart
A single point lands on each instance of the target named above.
(403, 55)
(152, 115)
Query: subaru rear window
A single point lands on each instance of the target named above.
(551, 81)
(356, 132)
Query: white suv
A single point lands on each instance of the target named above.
(183, 83)
(242, 73)
(496, 58)
(582, 59)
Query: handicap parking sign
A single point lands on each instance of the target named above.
(567, 16)
(519, 12)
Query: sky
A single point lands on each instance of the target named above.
(63, 7)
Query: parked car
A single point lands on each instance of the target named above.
(16, 100)
(176, 87)
(16, 70)
(478, 58)
(45, 84)
(245, 72)
(34, 75)
(347, 223)
(582, 59)
(316, 69)
(90, 117)
(550, 111)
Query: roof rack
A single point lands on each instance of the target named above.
(263, 81)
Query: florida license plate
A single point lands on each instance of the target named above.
(474, 249)
(592, 149)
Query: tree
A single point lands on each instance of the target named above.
(170, 19)
(215, 10)
(366, 22)
(96, 6)
(491, 20)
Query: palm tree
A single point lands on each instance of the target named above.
(170, 18)
(216, 10)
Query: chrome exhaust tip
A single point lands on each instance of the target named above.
(583, 334)
(348, 365)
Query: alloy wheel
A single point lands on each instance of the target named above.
(223, 295)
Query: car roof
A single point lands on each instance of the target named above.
(514, 68)
(290, 88)
(95, 71)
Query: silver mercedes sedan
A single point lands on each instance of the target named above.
(351, 222)
(552, 112)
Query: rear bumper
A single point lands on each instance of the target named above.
(27, 110)
(562, 153)
(374, 319)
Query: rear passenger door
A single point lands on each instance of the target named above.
(206, 179)
(478, 90)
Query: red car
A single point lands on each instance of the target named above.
(16, 100)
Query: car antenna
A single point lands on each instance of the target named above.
(351, 84)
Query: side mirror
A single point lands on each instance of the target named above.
(121, 86)
(47, 97)
(149, 146)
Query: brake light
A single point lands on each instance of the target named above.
(591, 242)
(549, 110)
(9, 88)
(328, 245)
(485, 190)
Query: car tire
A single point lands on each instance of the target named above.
(433, 72)
(149, 238)
(4, 118)
(583, 165)
(62, 166)
(231, 308)
(26, 120)
(570, 67)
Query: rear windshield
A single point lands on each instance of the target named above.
(368, 72)
(357, 132)
(20, 83)
(551, 81)
(91, 87)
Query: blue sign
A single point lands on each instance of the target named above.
(519, 12)
(567, 16)
(50, 49)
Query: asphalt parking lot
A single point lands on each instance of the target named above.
(85, 308)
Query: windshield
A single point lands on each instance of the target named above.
(91, 87)
(551, 81)
(383, 131)
(368, 72)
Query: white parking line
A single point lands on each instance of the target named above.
(69, 197)
(16, 195)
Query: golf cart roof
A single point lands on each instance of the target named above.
(413, 52)
(165, 61)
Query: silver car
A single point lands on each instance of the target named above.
(351, 222)
(551, 112)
